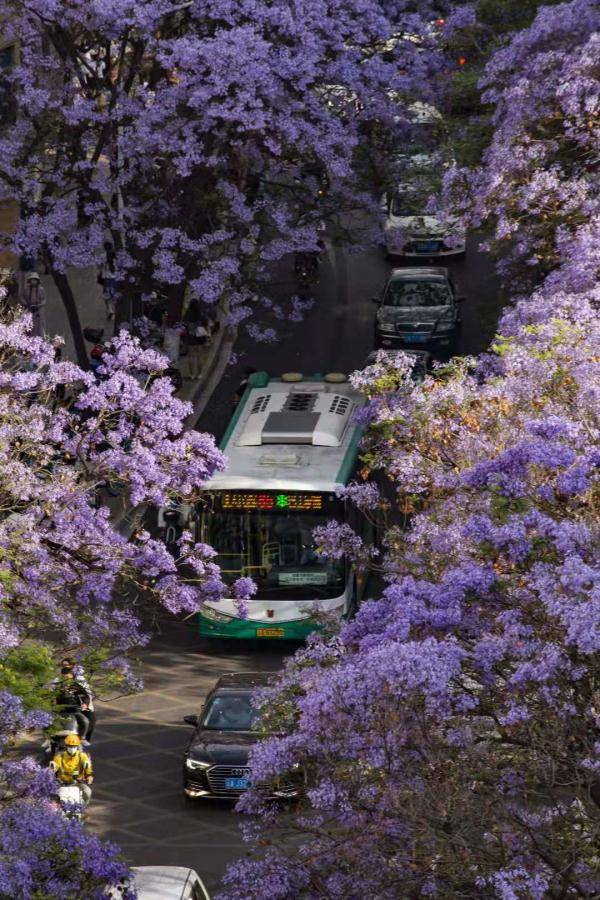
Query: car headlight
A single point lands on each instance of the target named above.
(196, 764)
(387, 327)
(445, 326)
(209, 613)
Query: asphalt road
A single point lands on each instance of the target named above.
(138, 747)
(337, 333)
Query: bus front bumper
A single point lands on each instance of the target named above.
(252, 630)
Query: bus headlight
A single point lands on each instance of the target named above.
(209, 613)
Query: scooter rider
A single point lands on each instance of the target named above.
(74, 766)
(73, 699)
(79, 676)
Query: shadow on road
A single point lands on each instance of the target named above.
(138, 748)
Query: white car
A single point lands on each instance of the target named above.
(427, 126)
(165, 883)
(409, 230)
(412, 233)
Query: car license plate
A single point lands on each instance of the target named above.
(237, 784)
(427, 246)
(270, 632)
(414, 338)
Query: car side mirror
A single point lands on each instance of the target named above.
(460, 299)
(376, 300)
(191, 720)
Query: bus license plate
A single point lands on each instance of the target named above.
(270, 632)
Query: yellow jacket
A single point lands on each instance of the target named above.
(70, 768)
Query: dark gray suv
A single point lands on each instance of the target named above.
(419, 307)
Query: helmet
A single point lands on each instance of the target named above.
(72, 740)
(33, 276)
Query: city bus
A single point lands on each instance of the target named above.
(291, 442)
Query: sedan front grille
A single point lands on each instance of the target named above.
(218, 775)
(423, 327)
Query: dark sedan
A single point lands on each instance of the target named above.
(419, 307)
(216, 760)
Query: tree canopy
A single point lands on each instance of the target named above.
(447, 738)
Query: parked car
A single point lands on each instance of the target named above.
(418, 306)
(164, 883)
(216, 760)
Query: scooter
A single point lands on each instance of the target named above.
(71, 801)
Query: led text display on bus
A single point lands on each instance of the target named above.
(246, 500)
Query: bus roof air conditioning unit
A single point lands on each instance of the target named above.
(289, 428)
(335, 412)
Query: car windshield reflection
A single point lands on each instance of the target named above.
(422, 293)
(230, 712)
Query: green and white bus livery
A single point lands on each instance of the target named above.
(290, 444)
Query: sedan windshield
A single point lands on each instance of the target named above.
(229, 712)
(422, 293)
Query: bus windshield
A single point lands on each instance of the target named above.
(276, 549)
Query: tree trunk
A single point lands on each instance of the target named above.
(64, 288)
(176, 296)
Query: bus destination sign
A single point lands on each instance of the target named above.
(298, 502)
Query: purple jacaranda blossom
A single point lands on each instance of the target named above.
(365, 496)
(70, 580)
(242, 111)
(45, 855)
(243, 590)
(337, 540)
(465, 688)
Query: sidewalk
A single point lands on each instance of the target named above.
(90, 305)
(92, 314)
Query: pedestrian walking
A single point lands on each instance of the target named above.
(197, 334)
(60, 390)
(172, 339)
(108, 280)
(34, 300)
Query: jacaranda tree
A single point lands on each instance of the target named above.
(194, 137)
(69, 581)
(446, 741)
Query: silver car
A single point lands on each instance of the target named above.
(418, 309)
(165, 883)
